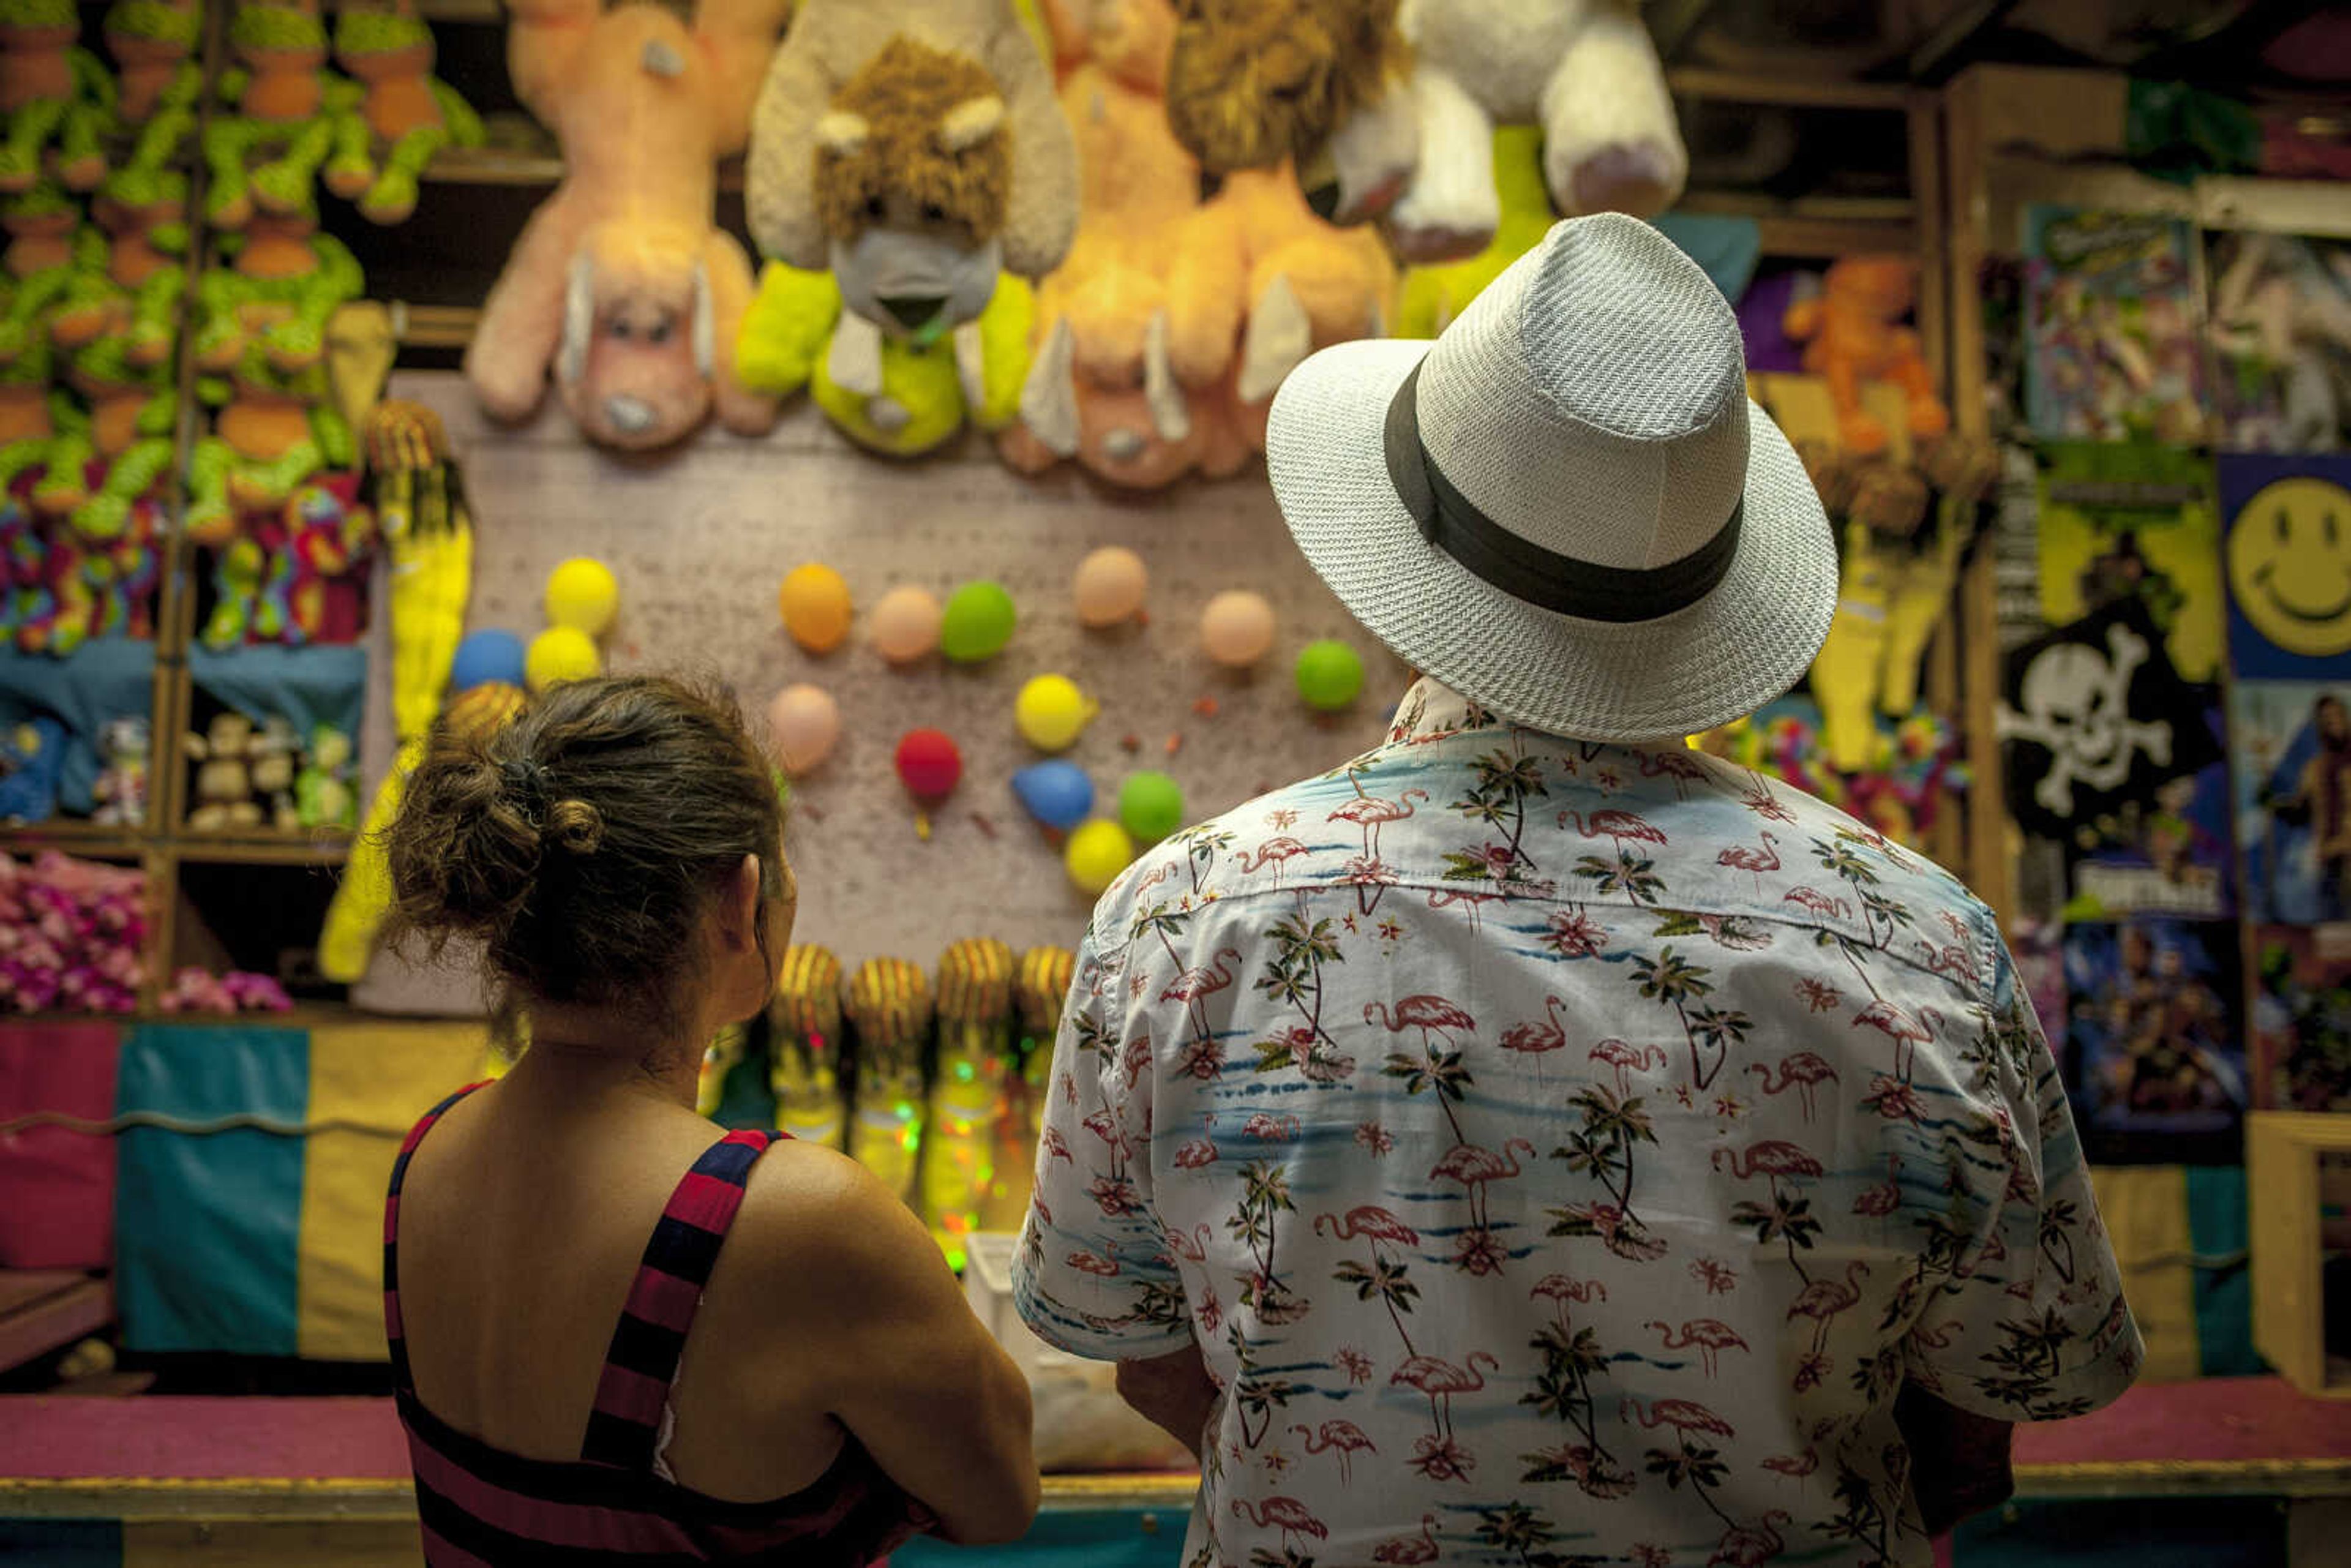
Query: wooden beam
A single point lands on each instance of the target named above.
(1950, 36)
(1673, 22)
(1787, 92)
(46, 1309)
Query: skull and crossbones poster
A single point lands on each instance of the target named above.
(2095, 718)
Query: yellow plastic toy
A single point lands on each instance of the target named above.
(804, 1070)
(887, 394)
(961, 1176)
(890, 1004)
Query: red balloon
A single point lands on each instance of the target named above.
(928, 764)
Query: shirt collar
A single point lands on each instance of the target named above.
(1432, 711)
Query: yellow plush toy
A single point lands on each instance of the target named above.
(1431, 296)
(893, 395)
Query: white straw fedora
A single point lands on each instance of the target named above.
(1566, 509)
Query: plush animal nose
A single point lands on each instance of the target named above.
(628, 416)
(1123, 445)
(913, 310)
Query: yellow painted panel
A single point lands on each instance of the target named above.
(2146, 1211)
(379, 1077)
(270, 1543)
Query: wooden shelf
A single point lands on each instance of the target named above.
(1788, 91)
(205, 849)
(46, 1309)
(87, 839)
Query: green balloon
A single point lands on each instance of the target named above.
(1151, 806)
(976, 623)
(1329, 675)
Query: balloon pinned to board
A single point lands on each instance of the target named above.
(1095, 854)
(558, 654)
(803, 727)
(1150, 806)
(1237, 629)
(905, 624)
(486, 658)
(1109, 587)
(1058, 794)
(978, 622)
(929, 765)
(815, 604)
(583, 594)
(1329, 675)
(1051, 713)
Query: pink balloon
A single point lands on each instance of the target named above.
(803, 723)
(1237, 629)
(1109, 587)
(905, 624)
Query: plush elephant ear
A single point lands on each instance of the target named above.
(793, 120)
(1042, 217)
(578, 321)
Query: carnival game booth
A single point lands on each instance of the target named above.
(309, 447)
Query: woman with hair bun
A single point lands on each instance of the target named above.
(614, 1330)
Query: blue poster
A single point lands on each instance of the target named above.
(2288, 530)
(2291, 760)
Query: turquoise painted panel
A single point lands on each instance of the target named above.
(2126, 1532)
(2217, 1227)
(205, 1223)
(60, 1543)
(1110, 1539)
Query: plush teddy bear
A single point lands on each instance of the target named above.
(1431, 296)
(223, 786)
(1584, 70)
(622, 284)
(914, 148)
(1853, 331)
(121, 790)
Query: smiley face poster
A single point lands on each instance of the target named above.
(2289, 565)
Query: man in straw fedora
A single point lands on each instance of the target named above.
(1537, 1141)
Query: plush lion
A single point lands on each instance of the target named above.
(621, 284)
(912, 146)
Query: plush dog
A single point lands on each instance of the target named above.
(914, 147)
(623, 284)
(1583, 70)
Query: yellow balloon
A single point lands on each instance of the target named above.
(558, 654)
(1051, 713)
(816, 608)
(583, 594)
(1095, 854)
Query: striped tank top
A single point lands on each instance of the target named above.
(483, 1508)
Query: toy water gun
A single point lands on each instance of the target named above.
(418, 502)
(963, 1174)
(804, 1066)
(890, 1004)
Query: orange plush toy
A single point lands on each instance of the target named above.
(1263, 283)
(1102, 391)
(623, 283)
(1853, 333)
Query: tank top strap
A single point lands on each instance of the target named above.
(393, 1336)
(624, 1426)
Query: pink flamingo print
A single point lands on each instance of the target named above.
(1560, 1289)
(1680, 767)
(1166, 872)
(1719, 1277)
(1274, 852)
(1801, 1071)
(1823, 1300)
(1104, 1124)
(1194, 987)
(1367, 1219)
(1540, 1035)
(1684, 1415)
(1474, 1168)
(1797, 1466)
(1137, 1059)
(1754, 861)
(1615, 826)
(1759, 799)
(1951, 958)
(1056, 1146)
(1908, 1032)
(1429, 1014)
(1200, 1152)
(1372, 813)
(1286, 1515)
(1192, 1245)
(1711, 1336)
(1267, 1128)
(1626, 1058)
(1106, 1268)
(1749, 1545)
(1474, 903)
(1409, 1551)
(1441, 1380)
(1343, 1437)
(1772, 1158)
(1821, 903)
(1884, 1198)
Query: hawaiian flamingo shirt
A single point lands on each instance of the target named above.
(1561, 1154)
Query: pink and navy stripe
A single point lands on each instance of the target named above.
(481, 1507)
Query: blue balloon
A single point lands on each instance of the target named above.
(1058, 794)
(484, 657)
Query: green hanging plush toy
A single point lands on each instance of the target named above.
(288, 118)
(52, 89)
(411, 113)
